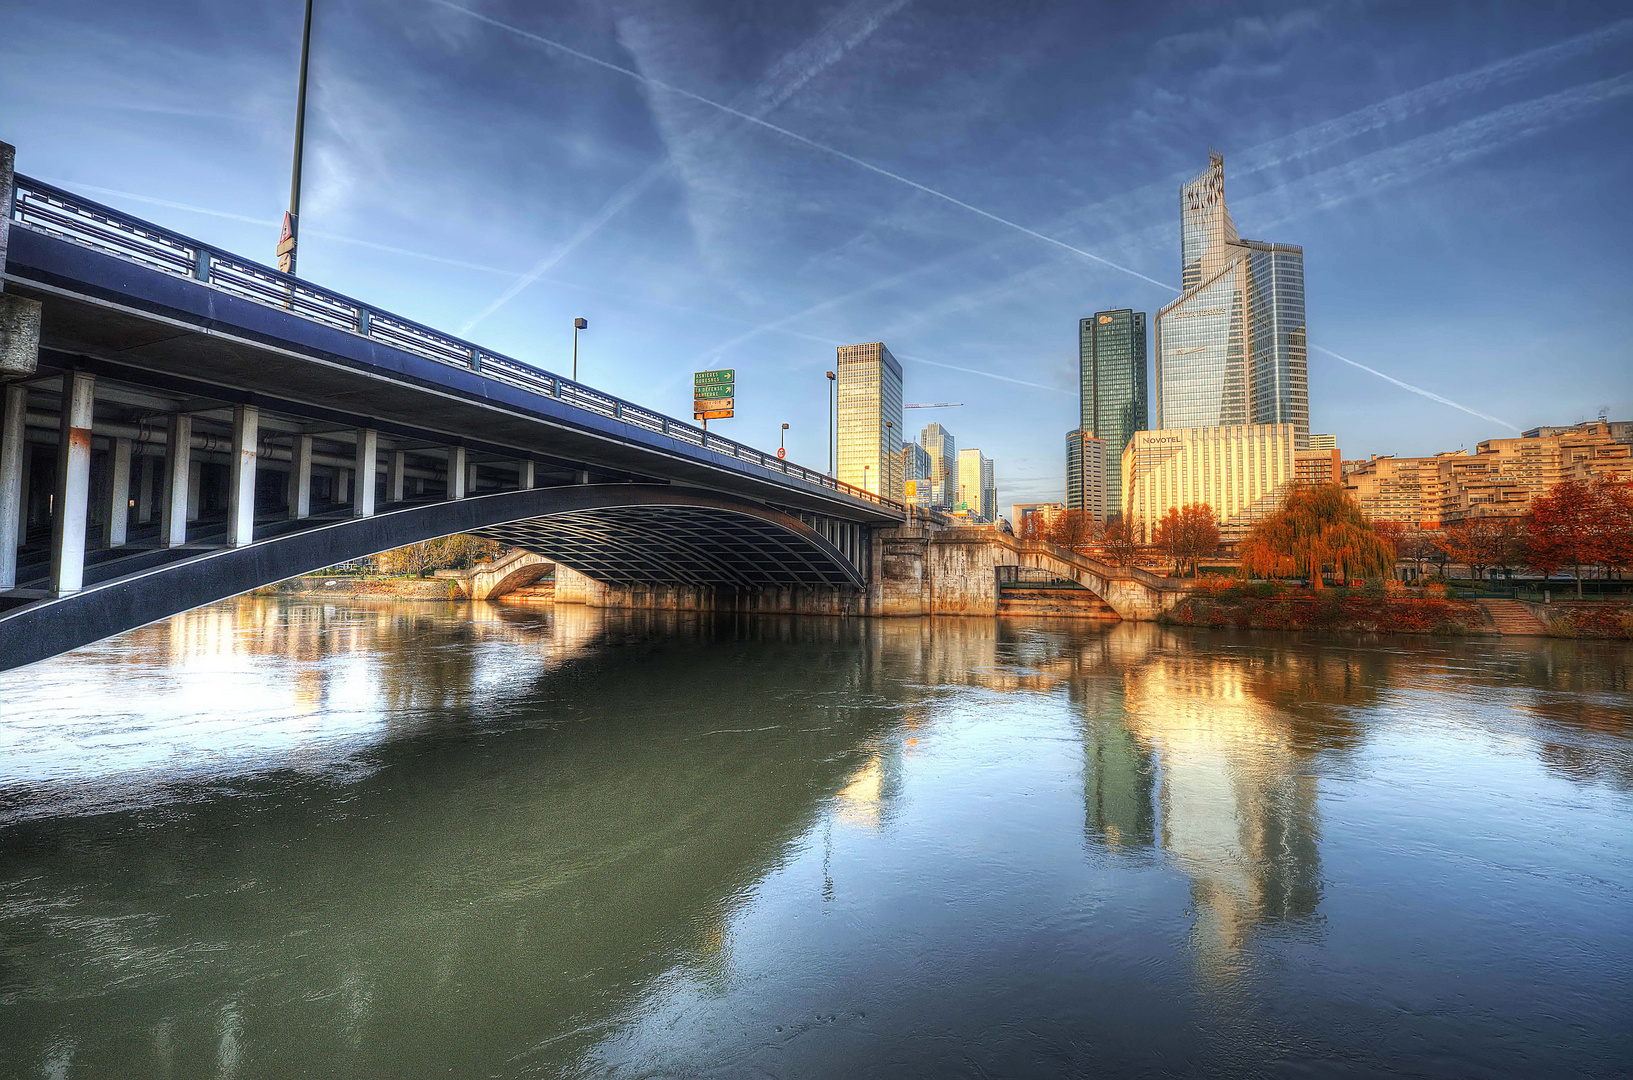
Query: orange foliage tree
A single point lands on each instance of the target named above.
(1186, 535)
(1073, 529)
(1578, 524)
(1121, 542)
(1319, 529)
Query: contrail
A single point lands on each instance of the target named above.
(983, 374)
(776, 87)
(796, 137)
(1417, 389)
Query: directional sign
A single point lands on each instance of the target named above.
(721, 414)
(711, 404)
(714, 394)
(713, 380)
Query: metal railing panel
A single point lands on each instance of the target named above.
(50, 210)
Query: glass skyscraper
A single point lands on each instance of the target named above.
(939, 443)
(870, 419)
(1231, 349)
(1111, 371)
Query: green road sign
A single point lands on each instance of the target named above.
(718, 384)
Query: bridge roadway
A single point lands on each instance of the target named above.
(195, 425)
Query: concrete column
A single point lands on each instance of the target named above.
(178, 459)
(246, 435)
(394, 475)
(118, 492)
(368, 453)
(13, 494)
(73, 492)
(144, 489)
(456, 472)
(195, 489)
(524, 476)
(470, 479)
(300, 477)
(343, 486)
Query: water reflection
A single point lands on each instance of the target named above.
(274, 837)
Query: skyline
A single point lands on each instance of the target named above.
(695, 238)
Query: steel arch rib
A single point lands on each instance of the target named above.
(48, 627)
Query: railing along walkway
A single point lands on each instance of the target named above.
(52, 211)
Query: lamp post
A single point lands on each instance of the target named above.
(291, 229)
(833, 392)
(781, 436)
(865, 469)
(578, 324)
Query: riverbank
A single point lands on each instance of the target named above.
(331, 587)
(1330, 609)
(1585, 619)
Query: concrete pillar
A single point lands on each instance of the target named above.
(368, 453)
(395, 468)
(118, 492)
(300, 477)
(195, 489)
(470, 479)
(246, 436)
(25, 516)
(13, 494)
(73, 491)
(456, 472)
(144, 489)
(178, 458)
(524, 476)
(343, 486)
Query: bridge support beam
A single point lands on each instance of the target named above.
(144, 489)
(119, 493)
(456, 472)
(524, 476)
(12, 491)
(368, 460)
(73, 494)
(246, 435)
(178, 455)
(300, 477)
(395, 470)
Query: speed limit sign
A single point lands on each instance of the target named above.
(781, 452)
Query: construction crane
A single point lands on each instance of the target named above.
(938, 405)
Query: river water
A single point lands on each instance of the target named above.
(276, 839)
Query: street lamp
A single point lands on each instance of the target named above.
(781, 436)
(865, 469)
(578, 324)
(286, 240)
(833, 392)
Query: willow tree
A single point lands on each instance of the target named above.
(1318, 528)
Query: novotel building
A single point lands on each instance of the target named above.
(1242, 471)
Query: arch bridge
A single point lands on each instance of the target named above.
(181, 424)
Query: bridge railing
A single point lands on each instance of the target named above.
(50, 210)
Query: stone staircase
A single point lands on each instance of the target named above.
(1513, 618)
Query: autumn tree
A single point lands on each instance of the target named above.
(1578, 524)
(1478, 543)
(1318, 529)
(1392, 533)
(457, 552)
(1032, 526)
(1186, 535)
(1120, 541)
(1615, 546)
(1072, 529)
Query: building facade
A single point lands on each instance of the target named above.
(870, 419)
(915, 474)
(1112, 392)
(1318, 466)
(939, 443)
(1044, 512)
(977, 491)
(1499, 479)
(1231, 349)
(1087, 486)
(1241, 471)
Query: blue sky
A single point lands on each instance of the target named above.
(749, 185)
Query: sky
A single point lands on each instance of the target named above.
(749, 185)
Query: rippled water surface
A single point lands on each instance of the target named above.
(275, 839)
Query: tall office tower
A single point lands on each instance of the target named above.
(870, 419)
(977, 493)
(1086, 479)
(938, 442)
(1231, 349)
(1111, 371)
(916, 474)
(1323, 442)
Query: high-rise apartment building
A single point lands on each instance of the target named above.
(939, 443)
(1231, 349)
(1086, 480)
(1111, 373)
(916, 474)
(870, 419)
(977, 492)
(1242, 472)
(1323, 442)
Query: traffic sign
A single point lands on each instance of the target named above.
(711, 379)
(781, 452)
(712, 404)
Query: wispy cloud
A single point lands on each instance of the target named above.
(852, 26)
(1431, 395)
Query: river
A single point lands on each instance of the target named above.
(280, 838)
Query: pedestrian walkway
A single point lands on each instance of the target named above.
(1513, 618)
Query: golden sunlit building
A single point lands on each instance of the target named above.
(870, 419)
(1241, 471)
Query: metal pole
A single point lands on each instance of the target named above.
(833, 392)
(578, 324)
(287, 242)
